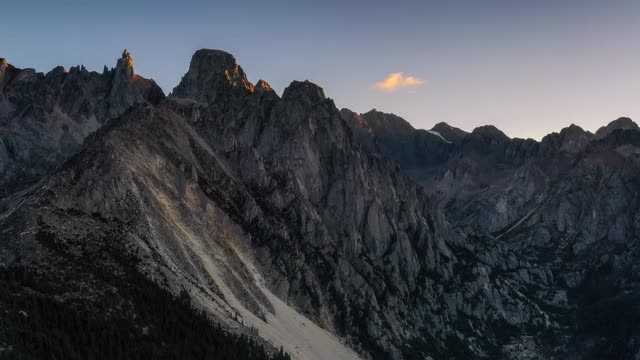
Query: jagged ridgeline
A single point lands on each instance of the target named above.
(226, 221)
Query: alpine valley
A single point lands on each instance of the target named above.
(225, 221)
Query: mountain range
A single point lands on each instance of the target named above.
(225, 221)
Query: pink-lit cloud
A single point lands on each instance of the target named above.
(395, 81)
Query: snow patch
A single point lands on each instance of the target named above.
(438, 135)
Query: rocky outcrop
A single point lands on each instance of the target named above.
(418, 152)
(128, 89)
(45, 117)
(5, 72)
(449, 132)
(214, 77)
(623, 123)
(572, 139)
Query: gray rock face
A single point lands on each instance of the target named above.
(45, 118)
(128, 89)
(418, 152)
(214, 77)
(552, 205)
(4, 72)
(345, 234)
(449, 132)
(622, 123)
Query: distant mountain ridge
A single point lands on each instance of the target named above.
(567, 206)
(309, 230)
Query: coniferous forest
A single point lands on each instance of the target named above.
(35, 326)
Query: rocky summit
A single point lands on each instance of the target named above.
(44, 118)
(226, 222)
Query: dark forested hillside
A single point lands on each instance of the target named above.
(36, 326)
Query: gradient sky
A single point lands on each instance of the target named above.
(527, 67)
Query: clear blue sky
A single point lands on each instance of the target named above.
(528, 67)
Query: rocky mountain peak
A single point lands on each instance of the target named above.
(347, 112)
(393, 136)
(449, 132)
(362, 131)
(574, 139)
(387, 123)
(573, 130)
(489, 132)
(305, 90)
(55, 77)
(126, 59)
(213, 75)
(353, 117)
(124, 66)
(123, 93)
(4, 66)
(212, 60)
(442, 126)
(262, 86)
(623, 123)
(56, 70)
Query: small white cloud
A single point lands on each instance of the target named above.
(397, 80)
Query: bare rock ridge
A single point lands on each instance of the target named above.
(213, 77)
(5, 72)
(623, 123)
(390, 135)
(128, 88)
(328, 233)
(45, 117)
(449, 132)
(306, 90)
(122, 91)
(262, 85)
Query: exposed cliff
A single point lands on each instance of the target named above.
(44, 118)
